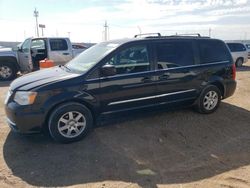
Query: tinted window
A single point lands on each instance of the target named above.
(174, 54)
(58, 44)
(213, 51)
(236, 47)
(131, 60)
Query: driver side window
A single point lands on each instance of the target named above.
(26, 46)
(131, 60)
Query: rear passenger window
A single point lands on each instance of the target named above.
(174, 54)
(212, 51)
(58, 44)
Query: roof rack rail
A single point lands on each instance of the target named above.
(191, 34)
(147, 34)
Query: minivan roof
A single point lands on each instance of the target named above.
(235, 43)
(126, 40)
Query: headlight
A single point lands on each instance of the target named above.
(7, 97)
(25, 97)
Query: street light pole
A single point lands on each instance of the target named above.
(105, 31)
(36, 14)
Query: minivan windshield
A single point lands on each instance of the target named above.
(90, 57)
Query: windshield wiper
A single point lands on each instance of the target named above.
(65, 67)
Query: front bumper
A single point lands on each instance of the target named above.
(24, 119)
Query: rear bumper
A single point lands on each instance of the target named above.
(230, 87)
(23, 119)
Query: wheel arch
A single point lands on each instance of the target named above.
(220, 86)
(10, 59)
(216, 81)
(75, 100)
(240, 58)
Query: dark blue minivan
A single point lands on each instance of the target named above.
(121, 75)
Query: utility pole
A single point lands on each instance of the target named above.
(210, 32)
(139, 28)
(69, 34)
(245, 36)
(36, 14)
(105, 31)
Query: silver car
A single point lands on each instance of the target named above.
(239, 53)
(248, 50)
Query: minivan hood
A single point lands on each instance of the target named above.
(40, 78)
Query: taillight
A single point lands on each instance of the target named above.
(234, 71)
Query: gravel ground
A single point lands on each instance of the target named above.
(178, 148)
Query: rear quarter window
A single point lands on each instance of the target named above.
(58, 44)
(236, 47)
(212, 51)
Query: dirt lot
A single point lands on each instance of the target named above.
(165, 149)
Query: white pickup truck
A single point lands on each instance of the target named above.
(26, 56)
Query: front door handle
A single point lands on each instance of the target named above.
(164, 76)
(65, 53)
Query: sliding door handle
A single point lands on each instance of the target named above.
(146, 80)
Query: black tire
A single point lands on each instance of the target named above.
(60, 114)
(8, 71)
(239, 62)
(203, 103)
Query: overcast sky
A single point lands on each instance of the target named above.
(83, 20)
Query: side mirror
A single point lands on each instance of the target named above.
(15, 48)
(108, 70)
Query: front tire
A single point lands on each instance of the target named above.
(209, 100)
(70, 122)
(7, 71)
(239, 62)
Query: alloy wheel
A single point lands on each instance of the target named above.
(71, 124)
(210, 100)
(5, 72)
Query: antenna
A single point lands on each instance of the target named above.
(36, 14)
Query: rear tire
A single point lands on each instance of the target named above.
(239, 62)
(70, 122)
(209, 100)
(8, 71)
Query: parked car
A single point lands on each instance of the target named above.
(121, 75)
(248, 50)
(26, 56)
(239, 53)
(78, 48)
